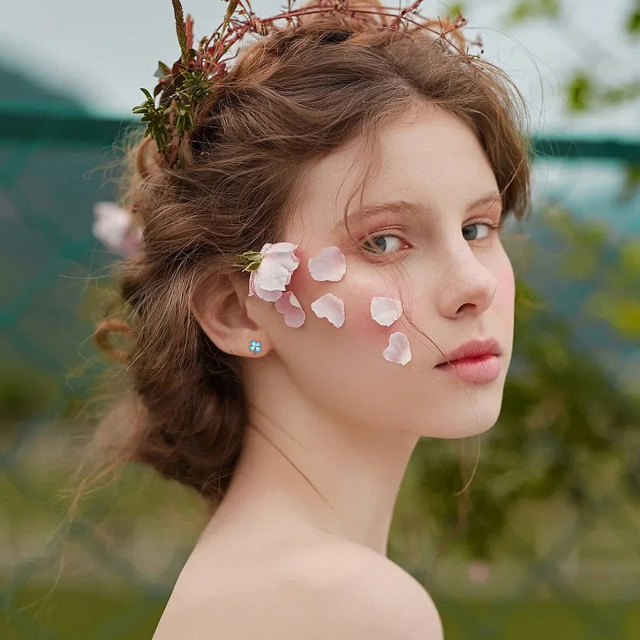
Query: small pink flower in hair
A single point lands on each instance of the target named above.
(329, 264)
(115, 228)
(271, 269)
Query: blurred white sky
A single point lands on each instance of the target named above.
(104, 51)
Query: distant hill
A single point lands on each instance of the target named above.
(16, 87)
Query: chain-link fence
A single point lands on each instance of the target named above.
(545, 539)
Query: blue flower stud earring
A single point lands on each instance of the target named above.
(255, 346)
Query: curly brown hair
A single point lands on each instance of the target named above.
(291, 97)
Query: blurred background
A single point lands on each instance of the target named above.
(545, 538)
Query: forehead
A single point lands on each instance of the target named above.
(430, 156)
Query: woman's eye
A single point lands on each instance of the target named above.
(489, 227)
(382, 243)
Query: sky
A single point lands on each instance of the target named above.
(103, 52)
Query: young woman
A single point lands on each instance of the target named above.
(364, 174)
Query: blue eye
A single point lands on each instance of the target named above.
(381, 245)
(481, 224)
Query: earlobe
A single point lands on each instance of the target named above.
(219, 307)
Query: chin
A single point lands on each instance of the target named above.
(462, 420)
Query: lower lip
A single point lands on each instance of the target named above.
(475, 370)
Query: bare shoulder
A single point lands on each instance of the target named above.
(345, 591)
(316, 588)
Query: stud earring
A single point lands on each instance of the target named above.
(255, 346)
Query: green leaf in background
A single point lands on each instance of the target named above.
(24, 392)
(629, 261)
(633, 22)
(618, 302)
(622, 93)
(631, 184)
(454, 9)
(580, 92)
(530, 9)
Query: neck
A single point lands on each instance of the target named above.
(334, 474)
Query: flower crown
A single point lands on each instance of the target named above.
(195, 74)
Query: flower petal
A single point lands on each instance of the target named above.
(257, 289)
(329, 307)
(478, 572)
(398, 350)
(115, 228)
(329, 264)
(273, 274)
(289, 306)
(385, 311)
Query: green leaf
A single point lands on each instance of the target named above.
(580, 90)
(454, 9)
(631, 184)
(633, 21)
(531, 9)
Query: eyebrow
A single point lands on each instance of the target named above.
(414, 208)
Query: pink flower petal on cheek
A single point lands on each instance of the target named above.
(329, 307)
(329, 264)
(385, 311)
(289, 306)
(398, 350)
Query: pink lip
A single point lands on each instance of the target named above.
(473, 349)
(477, 370)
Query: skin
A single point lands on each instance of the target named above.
(326, 450)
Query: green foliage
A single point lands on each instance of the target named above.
(584, 93)
(455, 9)
(619, 300)
(24, 392)
(588, 242)
(620, 94)
(155, 117)
(632, 182)
(530, 9)
(173, 116)
(633, 21)
(580, 92)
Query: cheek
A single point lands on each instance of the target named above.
(355, 290)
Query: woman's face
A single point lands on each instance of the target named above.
(445, 263)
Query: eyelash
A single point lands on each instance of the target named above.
(387, 233)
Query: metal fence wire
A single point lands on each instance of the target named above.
(548, 541)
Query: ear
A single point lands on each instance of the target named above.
(222, 308)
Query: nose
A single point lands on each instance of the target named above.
(468, 286)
